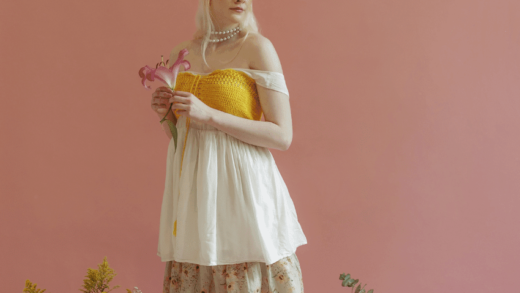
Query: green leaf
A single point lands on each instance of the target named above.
(173, 130)
(371, 291)
(171, 125)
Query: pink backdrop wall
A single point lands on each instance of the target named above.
(403, 169)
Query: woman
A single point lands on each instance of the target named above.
(228, 223)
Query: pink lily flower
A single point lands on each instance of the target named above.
(169, 77)
(166, 75)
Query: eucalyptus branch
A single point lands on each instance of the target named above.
(349, 282)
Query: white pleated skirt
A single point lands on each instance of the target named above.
(230, 202)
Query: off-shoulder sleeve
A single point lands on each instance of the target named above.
(269, 79)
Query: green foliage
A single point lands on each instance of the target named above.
(171, 125)
(31, 288)
(97, 281)
(173, 130)
(349, 282)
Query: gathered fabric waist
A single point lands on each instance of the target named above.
(212, 180)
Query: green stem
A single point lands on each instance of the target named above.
(164, 118)
(173, 128)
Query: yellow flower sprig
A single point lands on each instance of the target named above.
(97, 281)
(31, 288)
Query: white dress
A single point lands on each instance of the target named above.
(229, 200)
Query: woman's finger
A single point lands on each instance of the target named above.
(181, 93)
(160, 101)
(161, 94)
(163, 89)
(179, 106)
(177, 98)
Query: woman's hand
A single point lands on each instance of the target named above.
(191, 106)
(160, 102)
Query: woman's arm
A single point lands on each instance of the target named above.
(276, 131)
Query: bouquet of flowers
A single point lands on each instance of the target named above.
(168, 76)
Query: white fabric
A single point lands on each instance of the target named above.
(268, 79)
(231, 202)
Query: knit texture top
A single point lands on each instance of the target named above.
(228, 90)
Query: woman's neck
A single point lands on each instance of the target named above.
(226, 27)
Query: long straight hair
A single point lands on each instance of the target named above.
(204, 25)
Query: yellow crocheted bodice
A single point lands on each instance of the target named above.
(227, 90)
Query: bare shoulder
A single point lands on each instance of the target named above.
(262, 54)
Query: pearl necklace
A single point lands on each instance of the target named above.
(233, 31)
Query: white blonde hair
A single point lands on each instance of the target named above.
(204, 25)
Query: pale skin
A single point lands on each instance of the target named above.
(256, 52)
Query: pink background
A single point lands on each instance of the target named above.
(404, 166)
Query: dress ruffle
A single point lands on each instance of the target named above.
(283, 276)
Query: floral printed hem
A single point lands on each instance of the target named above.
(248, 277)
